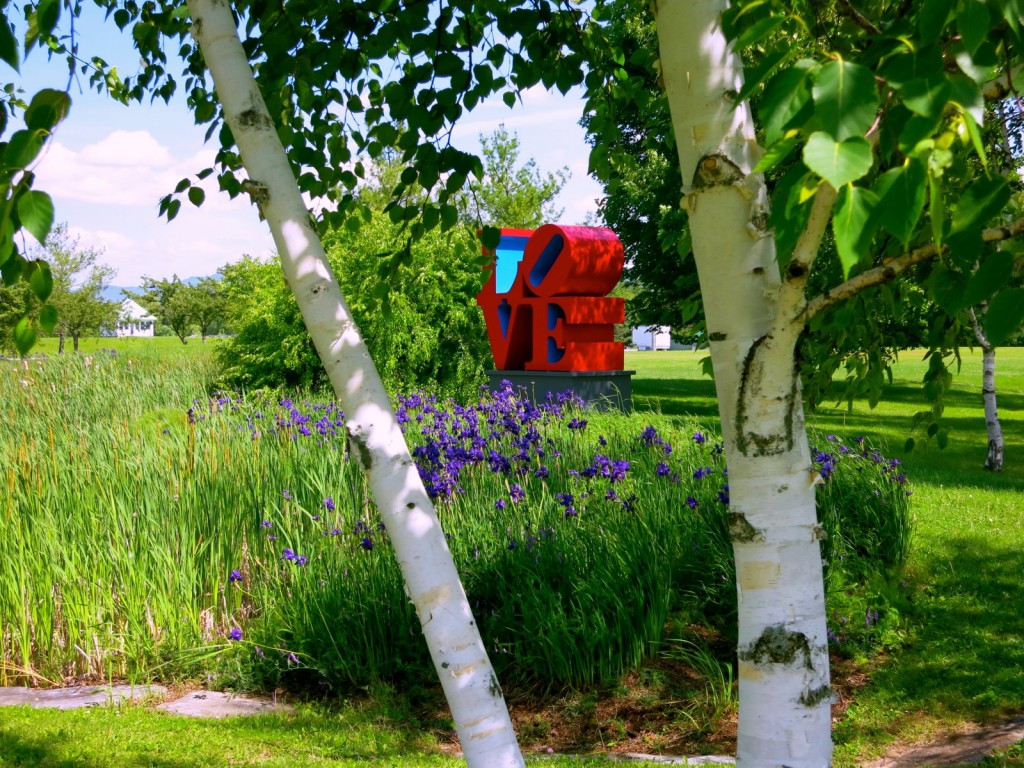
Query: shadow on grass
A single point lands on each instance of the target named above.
(676, 397)
(102, 738)
(967, 659)
(51, 750)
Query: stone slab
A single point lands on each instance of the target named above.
(77, 697)
(216, 705)
(600, 389)
(637, 757)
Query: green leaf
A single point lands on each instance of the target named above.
(901, 194)
(48, 317)
(974, 131)
(40, 279)
(431, 217)
(1004, 316)
(965, 248)
(786, 101)
(12, 268)
(47, 15)
(995, 272)
(845, 99)
(852, 225)
(936, 207)
(35, 210)
(8, 45)
(777, 152)
(927, 96)
(173, 206)
(917, 130)
(985, 198)
(972, 22)
(838, 163)
(790, 210)
(449, 217)
(908, 446)
(181, 12)
(509, 97)
(23, 148)
(196, 196)
(489, 238)
(932, 17)
(758, 31)
(47, 109)
(24, 335)
(756, 75)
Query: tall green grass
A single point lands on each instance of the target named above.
(148, 528)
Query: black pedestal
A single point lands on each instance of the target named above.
(600, 389)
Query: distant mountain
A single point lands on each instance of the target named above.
(120, 292)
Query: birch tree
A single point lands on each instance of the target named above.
(879, 142)
(375, 437)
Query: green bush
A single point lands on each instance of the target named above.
(418, 314)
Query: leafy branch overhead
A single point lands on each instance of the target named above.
(353, 81)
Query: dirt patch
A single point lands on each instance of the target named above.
(969, 746)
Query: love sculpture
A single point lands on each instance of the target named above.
(547, 311)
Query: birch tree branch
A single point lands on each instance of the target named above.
(858, 18)
(895, 267)
(788, 320)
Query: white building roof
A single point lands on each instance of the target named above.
(132, 311)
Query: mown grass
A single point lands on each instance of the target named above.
(956, 653)
(355, 735)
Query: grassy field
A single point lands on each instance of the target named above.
(961, 656)
(950, 651)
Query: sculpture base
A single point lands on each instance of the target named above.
(600, 389)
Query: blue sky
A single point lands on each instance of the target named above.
(108, 165)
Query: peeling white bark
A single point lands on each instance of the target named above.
(994, 459)
(375, 439)
(754, 319)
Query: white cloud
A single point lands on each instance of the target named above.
(185, 251)
(126, 168)
(127, 149)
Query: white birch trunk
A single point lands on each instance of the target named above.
(994, 459)
(783, 674)
(375, 439)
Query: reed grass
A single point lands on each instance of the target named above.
(149, 529)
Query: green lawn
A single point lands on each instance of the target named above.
(963, 654)
(135, 737)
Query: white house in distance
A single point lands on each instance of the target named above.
(133, 320)
(654, 337)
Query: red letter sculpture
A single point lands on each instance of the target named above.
(552, 313)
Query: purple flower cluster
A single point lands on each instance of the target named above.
(826, 462)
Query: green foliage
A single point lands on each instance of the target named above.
(416, 311)
(414, 303)
(510, 194)
(183, 307)
(270, 346)
(77, 306)
(180, 499)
